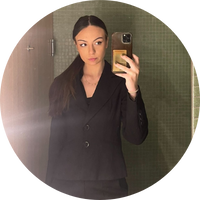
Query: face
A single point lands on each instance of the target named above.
(91, 44)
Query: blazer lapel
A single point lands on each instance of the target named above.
(104, 90)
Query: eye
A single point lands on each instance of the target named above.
(82, 44)
(99, 42)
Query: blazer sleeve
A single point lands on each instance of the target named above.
(134, 118)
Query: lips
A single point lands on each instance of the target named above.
(92, 59)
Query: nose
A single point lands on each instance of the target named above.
(91, 49)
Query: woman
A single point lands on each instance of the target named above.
(88, 104)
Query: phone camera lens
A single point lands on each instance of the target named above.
(126, 38)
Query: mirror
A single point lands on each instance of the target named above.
(165, 81)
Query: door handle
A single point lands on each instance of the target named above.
(28, 48)
(52, 48)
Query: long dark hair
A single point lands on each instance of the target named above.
(62, 87)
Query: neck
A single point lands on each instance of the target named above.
(92, 70)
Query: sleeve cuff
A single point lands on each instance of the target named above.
(130, 98)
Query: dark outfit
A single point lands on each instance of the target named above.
(85, 144)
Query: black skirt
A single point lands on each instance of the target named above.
(109, 189)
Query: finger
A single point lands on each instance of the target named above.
(121, 75)
(125, 69)
(136, 58)
(127, 59)
(133, 65)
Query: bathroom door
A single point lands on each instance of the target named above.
(25, 79)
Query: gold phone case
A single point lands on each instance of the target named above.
(117, 59)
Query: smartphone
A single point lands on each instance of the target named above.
(121, 44)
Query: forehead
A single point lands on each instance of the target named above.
(90, 33)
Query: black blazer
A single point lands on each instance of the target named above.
(85, 141)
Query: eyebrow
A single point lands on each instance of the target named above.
(93, 41)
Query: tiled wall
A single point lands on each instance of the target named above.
(195, 99)
(165, 82)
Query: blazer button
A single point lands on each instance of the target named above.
(87, 127)
(87, 144)
(140, 117)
